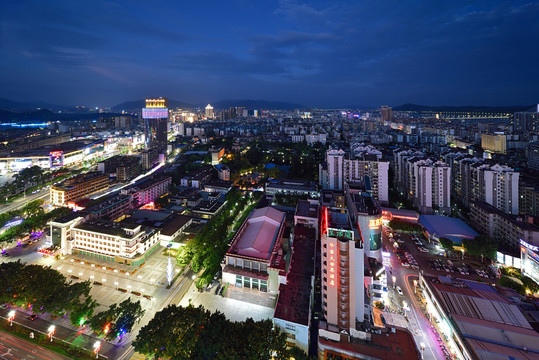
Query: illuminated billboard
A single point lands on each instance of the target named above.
(56, 159)
(155, 113)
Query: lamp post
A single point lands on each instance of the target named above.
(11, 316)
(462, 250)
(51, 331)
(97, 346)
(394, 278)
(422, 348)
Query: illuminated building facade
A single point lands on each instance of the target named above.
(342, 271)
(209, 112)
(155, 116)
(366, 213)
(78, 187)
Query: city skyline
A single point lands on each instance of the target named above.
(315, 54)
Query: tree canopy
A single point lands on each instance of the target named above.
(446, 243)
(195, 333)
(44, 289)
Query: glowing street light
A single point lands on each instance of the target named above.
(51, 331)
(97, 346)
(11, 316)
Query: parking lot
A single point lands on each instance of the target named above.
(416, 252)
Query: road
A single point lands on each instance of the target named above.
(20, 202)
(12, 347)
(418, 323)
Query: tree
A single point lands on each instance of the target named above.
(117, 320)
(446, 243)
(481, 245)
(195, 333)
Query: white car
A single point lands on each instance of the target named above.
(399, 290)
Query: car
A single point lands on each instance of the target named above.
(6, 254)
(32, 317)
(399, 290)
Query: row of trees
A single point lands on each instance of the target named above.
(37, 221)
(45, 290)
(480, 246)
(195, 333)
(207, 248)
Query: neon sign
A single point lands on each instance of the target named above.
(340, 233)
(375, 223)
(332, 264)
(528, 246)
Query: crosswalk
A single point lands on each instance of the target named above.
(137, 356)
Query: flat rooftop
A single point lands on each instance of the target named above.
(365, 204)
(451, 228)
(338, 218)
(306, 209)
(257, 237)
(109, 228)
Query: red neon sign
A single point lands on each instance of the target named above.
(332, 264)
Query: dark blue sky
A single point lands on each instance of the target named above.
(320, 53)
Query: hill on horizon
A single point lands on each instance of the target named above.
(463, 108)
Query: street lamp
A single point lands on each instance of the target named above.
(462, 250)
(422, 348)
(11, 316)
(97, 346)
(394, 278)
(51, 331)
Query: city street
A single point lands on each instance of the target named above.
(417, 323)
(21, 201)
(12, 347)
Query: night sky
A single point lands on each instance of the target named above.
(326, 53)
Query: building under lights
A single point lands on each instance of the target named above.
(155, 116)
(343, 289)
(344, 331)
(367, 216)
(476, 322)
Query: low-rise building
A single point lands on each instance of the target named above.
(78, 187)
(148, 190)
(112, 241)
(476, 322)
(292, 187)
(255, 249)
(111, 208)
(293, 309)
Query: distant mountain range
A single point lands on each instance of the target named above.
(469, 108)
(6, 104)
(223, 104)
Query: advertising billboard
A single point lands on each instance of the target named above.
(57, 159)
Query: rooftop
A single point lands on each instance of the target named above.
(110, 228)
(306, 209)
(257, 236)
(391, 345)
(451, 228)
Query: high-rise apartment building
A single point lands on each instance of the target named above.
(431, 186)
(366, 167)
(331, 174)
(533, 156)
(386, 114)
(501, 188)
(527, 120)
(155, 116)
(343, 289)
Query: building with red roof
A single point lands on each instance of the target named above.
(255, 258)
